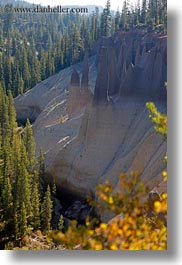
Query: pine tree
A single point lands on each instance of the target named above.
(4, 119)
(77, 45)
(43, 61)
(163, 14)
(1, 70)
(22, 187)
(46, 211)
(7, 198)
(54, 190)
(25, 70)
(29, 146)
(124, 15)
(25, 181)
(34, 68)
(7, 73)
(117, 20)
(8, 21)
(41, 170)
(16, 223)
(61, 223)
(7, 158)
(50, 68)
(1, 162)
(35, 206)
(106, 20)
(11, 115)
(144, 11)
(97, 23)
(23, 220)
(93, 26)
(67, 49)
(41, 162)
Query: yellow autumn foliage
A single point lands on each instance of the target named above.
(135, 227)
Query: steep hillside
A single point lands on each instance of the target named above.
(91, 119)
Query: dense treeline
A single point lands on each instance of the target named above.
(23, 203)
(151, 13)
(35, 46)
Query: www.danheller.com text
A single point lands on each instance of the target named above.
(41, 9)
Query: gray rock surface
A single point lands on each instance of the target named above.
(86, 144)
(102, 81)
(113, 73)
(75, 94)
(85, 73)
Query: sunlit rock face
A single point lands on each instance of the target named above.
(91, 119)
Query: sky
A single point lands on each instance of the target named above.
(114, 3)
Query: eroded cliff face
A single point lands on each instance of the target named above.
(134, 64)
(106, 130)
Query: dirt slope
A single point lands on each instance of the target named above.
(89, 137)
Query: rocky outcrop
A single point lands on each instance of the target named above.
(79, 94)
(122, 58)
(113, 134)
(112, 73)
(86, 95)
(102, 81)
(79, 211)
(111, 141)
(75, 94)
(27, 112)
(85, 73)
(134, 64)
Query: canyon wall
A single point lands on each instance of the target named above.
(91, 118)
